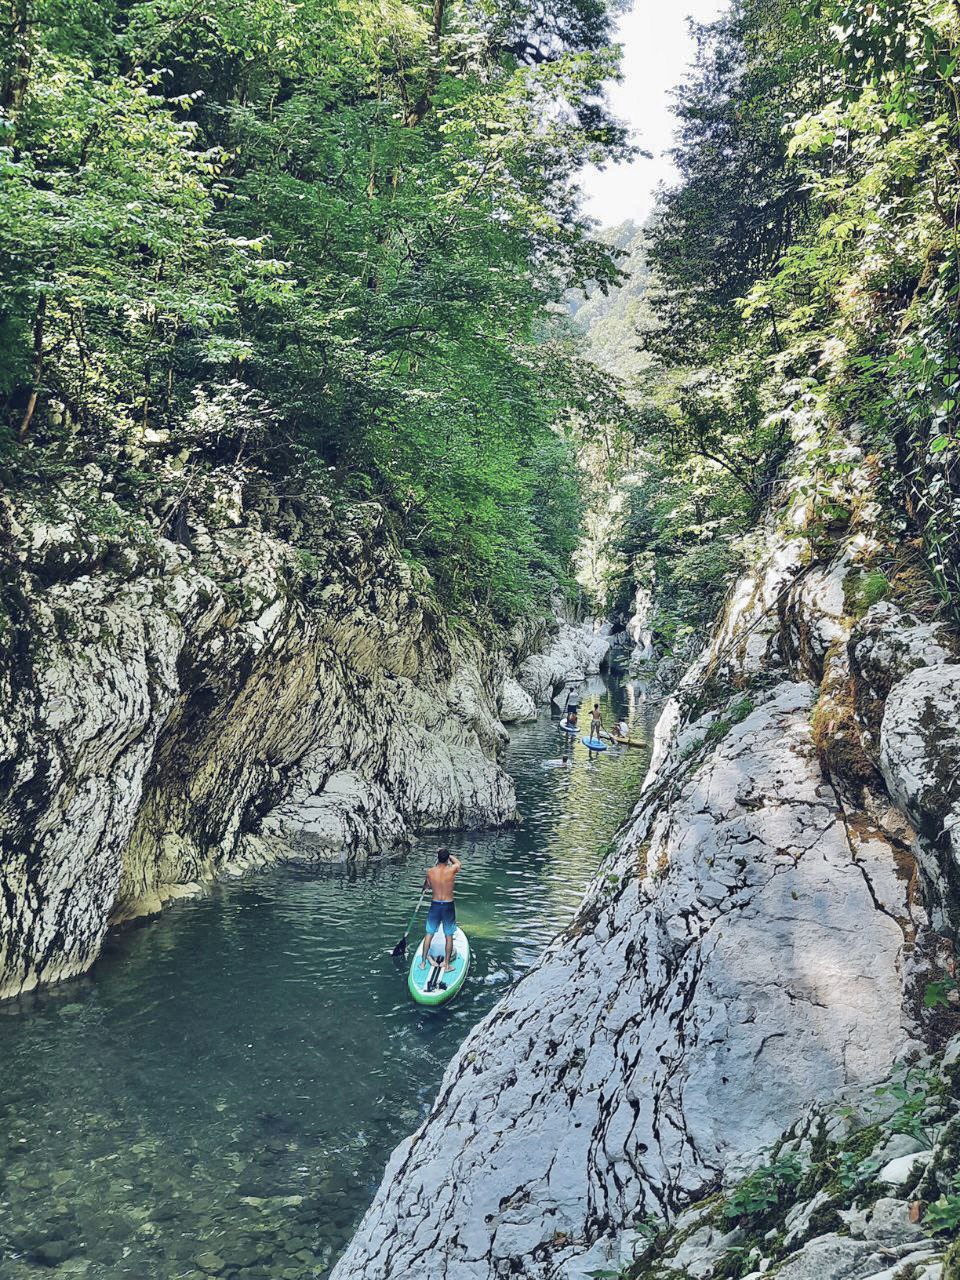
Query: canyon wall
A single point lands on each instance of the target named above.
(761, 937)
(172, 710)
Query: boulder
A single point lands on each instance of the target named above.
(897, 1146)
(903, 1169)
(919, 1264)
(348, 812)
(887, 1219)
(515, 703)
(701, 1250)
(830, 1257)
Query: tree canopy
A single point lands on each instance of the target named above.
(297, 251)
(805, 288)
(303, 248)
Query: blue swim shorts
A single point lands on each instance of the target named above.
(442, 913)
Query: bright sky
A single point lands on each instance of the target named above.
(657, 50)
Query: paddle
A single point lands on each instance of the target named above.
(401, 947)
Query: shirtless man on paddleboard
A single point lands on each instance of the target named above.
(442, 910)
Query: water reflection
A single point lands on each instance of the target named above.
(220, 1095)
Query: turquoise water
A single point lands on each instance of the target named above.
(220, 1094)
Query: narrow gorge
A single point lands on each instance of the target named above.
(210, 708)
(526, 433)
(760, 938)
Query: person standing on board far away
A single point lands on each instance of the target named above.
(442, 911)
(596, 723)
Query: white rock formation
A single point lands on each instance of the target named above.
(814, 1223)
(516, 705)
(577, 650)
(920, 755)
(638, 626)
(755, 942)
(886, 645)
(349, 812)
(740, 955)
(164, 720)
(896, 1172)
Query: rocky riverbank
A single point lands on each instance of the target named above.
(866, 1186)
(174, 709)
(762, 936)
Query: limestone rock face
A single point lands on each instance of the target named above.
(758, 939)
(813, 615)
(871, 1224)
(515, 703)
(349, 812)
(639, 624)
(885, 646)
(576, 650)
(920, 753)
(740, 954)
(167, 716)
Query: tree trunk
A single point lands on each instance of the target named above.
(38, 326)
(17, 76)
(422, 105)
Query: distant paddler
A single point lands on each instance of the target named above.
(569, 722)
(594, 742)
(443, 912)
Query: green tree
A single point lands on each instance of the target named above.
(359, 214)
(805, 272)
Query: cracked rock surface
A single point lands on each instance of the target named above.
(816, 1224)
(575, 651)
(920, 754)
(733, 962)
(758, 940)
(885, 646)
(166, 718)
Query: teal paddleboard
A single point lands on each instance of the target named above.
(594, 744)
(429, 984)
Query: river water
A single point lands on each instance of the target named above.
(220, 1094)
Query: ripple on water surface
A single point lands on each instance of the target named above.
(220, 1095)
